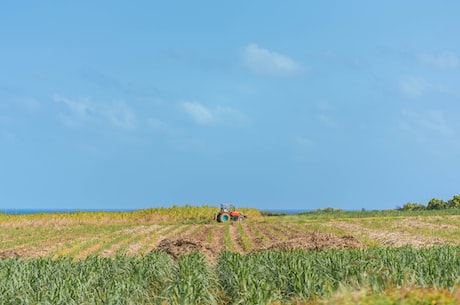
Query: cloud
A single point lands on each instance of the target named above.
(78, 108)
(199, 113)
(265, 62)
(160, 126)
(203, 115)
(324, 106)
(303, 143)
(120, 115)
(84, 111)
(327, 121)
(324, 117)
(415, 87)
(446, 60)
(426, 126)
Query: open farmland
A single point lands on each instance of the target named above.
(284, 259)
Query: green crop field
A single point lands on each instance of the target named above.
(181, 256)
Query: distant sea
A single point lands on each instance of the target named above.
(286, 211)
(52, 211)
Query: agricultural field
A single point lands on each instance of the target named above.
(182, 256)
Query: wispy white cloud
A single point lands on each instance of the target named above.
(327, 121)
(83, 111)
(303, 143)
(302, 146)
(160, 126)
(204, 115)
(266, 62)
(324, 106)
(427, 126)
(413, 87)
(80, 109)
(446, 60)
(416, 87)
(199, 113)
(120, 115)
(324, 116)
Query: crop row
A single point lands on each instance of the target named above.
(258, 278)
(108, 241)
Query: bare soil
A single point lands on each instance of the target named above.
(184, 246)
(392, 238)
(9, 254)
(317, 241)
(302, 241)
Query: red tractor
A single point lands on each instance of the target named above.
(228, 212)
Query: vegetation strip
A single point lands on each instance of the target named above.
(259, 278)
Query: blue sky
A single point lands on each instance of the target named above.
(265, 104)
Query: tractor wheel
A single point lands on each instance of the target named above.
(224, 217)
(241, 218)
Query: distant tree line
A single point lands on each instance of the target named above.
(434, 204)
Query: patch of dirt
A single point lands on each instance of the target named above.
(416, 223)
(218, 238)
(9, 254)
(203, 234)
(255, 240)
(184, 246)
(283, 233)
(235, 238)
(308, 241)
(134, 248)
(316, 241)
(269, 235)
(389, 238)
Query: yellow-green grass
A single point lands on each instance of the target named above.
(196, 214)
(343, 277)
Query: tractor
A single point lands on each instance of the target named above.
(228, 212)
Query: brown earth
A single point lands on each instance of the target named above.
(9, 254)
(308, 241)
(317, 241)
(184, 246)
(393, 238)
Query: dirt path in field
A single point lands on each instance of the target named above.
(203, 234)
(235, 237)
(146, 234)
(391, 238)
(217, 241)
(418, 223)
(267, 233)
(256, 241)
(292, 229)
(123, 243)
